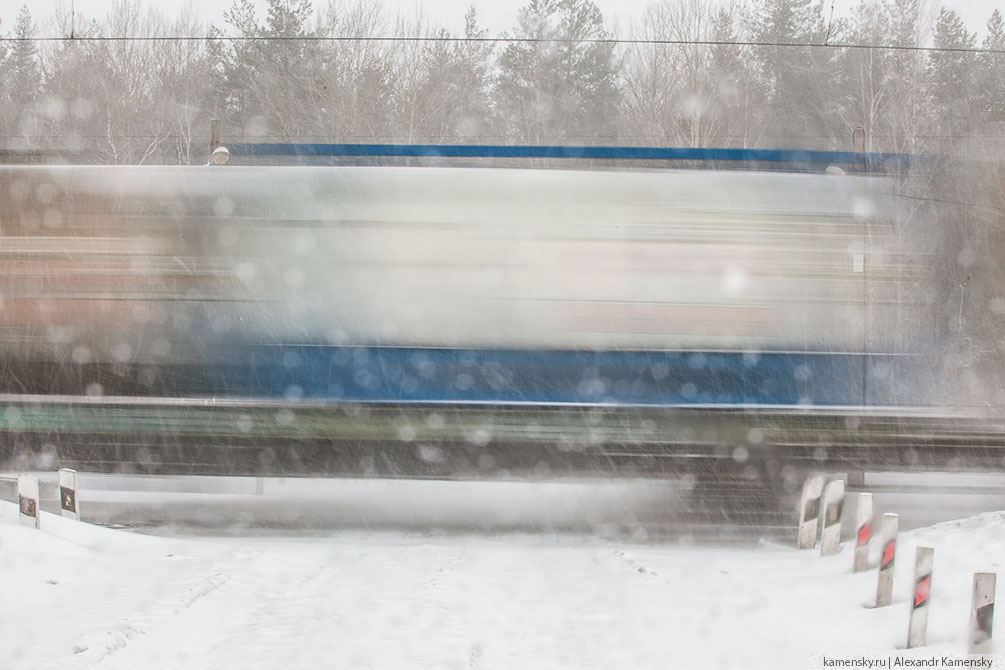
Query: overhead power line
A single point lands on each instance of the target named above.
(505, 40)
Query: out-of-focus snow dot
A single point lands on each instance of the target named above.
(246, 271)
(293, 393)
(696, 361)
(566, 443)
(429, 453)
(406, 433)
(256, 125)
(481, 436)
(82, 109)
(161, 347)
(54, 334)
(622, 388)
(223, 206)
(660, 370)
(244, 423)
(284, 417)
(486, 462)
(304, 242)
(805, 400)
(365, 379)
(863, 208)
(435, 421)
(53, 107)
(147, 376)
(802, 372)
(463, 381)
(141, 313)
(409, 384)
(911, 456)
(820, 454)
(53, 217)
(852, 422)
(740, 454)
(94, 389)
(468, 126)
(291, 359)
(122, 352)
(81, 355)
(751, 358)
(639, 533)
(688, 390)
(367, 464)
(755, 435)
(295, 277)
(967, 257)
(47, 457)
(45, 193)
(881, 370)
(542, 469)
(13, 419)
(734, 280)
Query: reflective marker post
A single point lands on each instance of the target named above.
(888, 539)
(27, 500)
(863, 531)
(918, 624)
(830, 539)
(982, 612)
(68, 493)
(809, 512)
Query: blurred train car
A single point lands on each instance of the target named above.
(308, 284)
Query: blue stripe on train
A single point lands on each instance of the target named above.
(415, 374)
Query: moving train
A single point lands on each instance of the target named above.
(465, 285)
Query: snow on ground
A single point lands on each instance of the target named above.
(77, 596)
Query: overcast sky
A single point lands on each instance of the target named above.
(496, 15)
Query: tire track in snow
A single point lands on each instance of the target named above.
(95, 648)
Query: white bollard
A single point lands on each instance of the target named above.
(982, 612)
(830, 537)
(918, 624)
(27, 500)
(888, 541)
(863, 531)
(809, 511)
(68, 505)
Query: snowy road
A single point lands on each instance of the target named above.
(78, 596)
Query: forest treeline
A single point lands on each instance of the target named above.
(560, 81)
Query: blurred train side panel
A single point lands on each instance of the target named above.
(454, 285)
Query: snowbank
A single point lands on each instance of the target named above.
(76, 595)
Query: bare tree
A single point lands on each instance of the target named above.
(687, 94)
